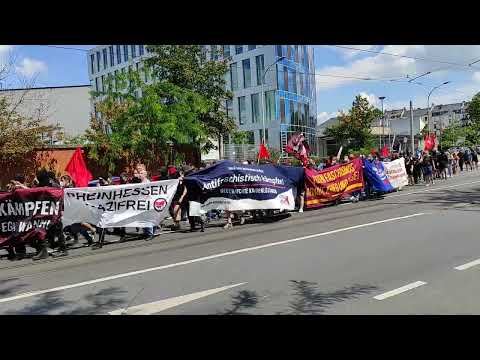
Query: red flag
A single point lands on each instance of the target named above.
(78, 170)
(263, 152)
(429, 142)
(385, 152)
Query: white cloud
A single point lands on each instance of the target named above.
(390, 67)
(476, 76)
(349, 54)
(31, 67)
(324, 116)
(372, 99)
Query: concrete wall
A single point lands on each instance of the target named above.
(67, 106)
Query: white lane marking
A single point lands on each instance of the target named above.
(433, 189)
(158, 306)
(205, 258)
(468, 265)
(399, 290)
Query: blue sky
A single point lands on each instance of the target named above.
(335, 68)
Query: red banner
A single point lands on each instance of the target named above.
(333, 183)
(27, 214)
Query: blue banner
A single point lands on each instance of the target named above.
(232, 186)
(375, 176)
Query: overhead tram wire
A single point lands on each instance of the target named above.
(452, 64)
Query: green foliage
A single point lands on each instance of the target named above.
(239, 137)
(185, 67)
(354, 130)
(473, 111)
(139, 129)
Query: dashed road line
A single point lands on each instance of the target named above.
(468, 265)
(399, 290)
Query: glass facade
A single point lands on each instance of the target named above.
(242, 110)
(233, 76)
(92, 63)
(133, 50)
(105, 58)
(255, 101)
(125, 52)
(296, 98)
(119, 54)
(260, 66)
(112, 58)
(226, 50)
(238, 49)
(247, 74)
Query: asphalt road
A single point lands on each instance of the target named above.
(413, 252)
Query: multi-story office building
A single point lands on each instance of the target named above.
(286, 99)
(111, 60)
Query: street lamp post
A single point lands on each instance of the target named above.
(263, 94)
(428, 103)
(383, 122)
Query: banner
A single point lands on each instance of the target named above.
(131, 205)
(27, 214)
(234, 187)
(375, 176)
(333, 183)
(396, 173)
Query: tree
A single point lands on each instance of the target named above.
(473, 111)
(134, 128)
(186, 67)
(354, 129)
(22, 128)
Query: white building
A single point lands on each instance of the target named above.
(66, 106)
(288, 95)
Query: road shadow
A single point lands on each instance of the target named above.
(307, 299)
(97, 303)
(7, 289)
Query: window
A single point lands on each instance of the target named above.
(141, 50)
(226, 51)
(103, 87)
(92, 63)
(116, 79)
(125, 52)
(247, 75)
(242, 110)
(270, 105)
(98, 60)
(137, 66)
(292, 81)
(282, 110)
(260, 68)
(133, 50)
(203, 53)
(146, 70)
(238, 49)
(252, 47)
(130, 75)
(213, 53)
(105, 58)
(285, 78)
(296, 53)
(119, 54)
(234, 76)
(279, 50)
(255, 100)
(112, 57)
(96, 85)
(260, 135)
(301, 89)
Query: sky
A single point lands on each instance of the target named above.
(340, 72)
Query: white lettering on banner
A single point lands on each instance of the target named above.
(246, 178)
(29, 208)
(130, 205)
(396, 173)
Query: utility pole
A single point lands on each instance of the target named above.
(383, 123)
(412, 140)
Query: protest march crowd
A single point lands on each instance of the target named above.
(53, 213)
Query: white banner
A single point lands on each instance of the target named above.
(132, 205)
(396, 173)
(283, 201)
